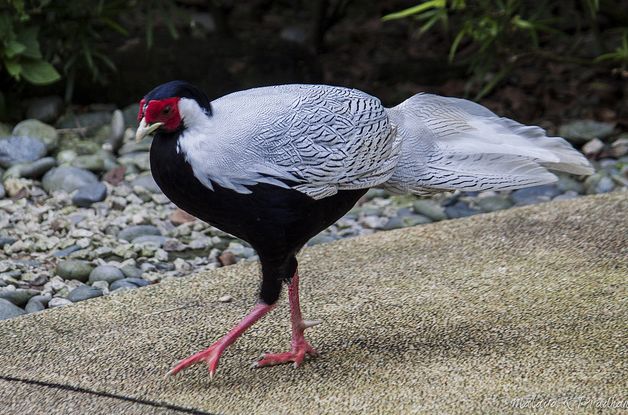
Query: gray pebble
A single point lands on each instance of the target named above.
(66, 251)
(493, 203)
(67, 179)
(132, 232)
(18, 297)
(3, 192)
(430, 208)
(37, 129)
(536, 194)
(146, 181)
(73, 269)
(90, 194)
(154, 240)
(130, 271)
(34, 306)
(605, 185)
(91, 162)
(580, 131)
(107, 273)
(84, 292)
(59, 302)
(15, 150)
(6, 240)
(460, 209)
(9, 310)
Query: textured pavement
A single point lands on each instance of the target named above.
(464, 316)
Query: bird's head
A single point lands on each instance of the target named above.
(169, 107)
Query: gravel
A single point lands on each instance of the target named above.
(81, 213)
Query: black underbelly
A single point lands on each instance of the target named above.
(276, 221)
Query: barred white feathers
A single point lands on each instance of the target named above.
(319, 139)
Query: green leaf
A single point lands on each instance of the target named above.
(419, 8)
(39, 72)
(13, 67)
(13, 48)
(28, 37)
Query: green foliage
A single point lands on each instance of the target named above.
(497, 35)
(20, 52)
(45, 40)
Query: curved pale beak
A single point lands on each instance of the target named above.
(145, 129)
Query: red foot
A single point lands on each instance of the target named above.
(297, 355)
(211, 355)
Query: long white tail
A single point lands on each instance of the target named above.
(451, 143)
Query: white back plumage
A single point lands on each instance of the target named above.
(319, 139)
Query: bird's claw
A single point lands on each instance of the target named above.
(211, 356)
(296, 356)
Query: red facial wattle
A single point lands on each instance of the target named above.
(163, 110)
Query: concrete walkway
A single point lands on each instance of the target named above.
(525, 306)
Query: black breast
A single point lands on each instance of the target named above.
(276, 221)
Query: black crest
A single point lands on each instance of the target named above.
(180, 89)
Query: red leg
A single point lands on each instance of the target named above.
(300, 347)
(211, 355)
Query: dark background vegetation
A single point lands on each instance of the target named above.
(536, 61)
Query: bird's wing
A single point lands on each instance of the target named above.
(316, 139)
(331, 139)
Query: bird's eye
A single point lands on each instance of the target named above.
(167, 109)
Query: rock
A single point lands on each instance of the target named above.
(67, 179)
(115, 176)
(90, 121)
(430, 208)
(32, 170)
(59, 302)
(45, 109)
(536, 194)
(130, 271)
(460, 209)
(91, 162)
(3, 192)
(373, 222)
(321, 239)
(117, 132)
(154, 240)
(179, 217)
(413, 220)
(138, 159)
(296, 34)
(226, 299)
(568, 183)
(129, 283)
(619, 148)
(393, 223)
(173, 245)
(592, 147)
(568, 195)
(83, 293)
(19, 296)
(493, 203)
(227, 258)
(72, 269)
(579, 132)
(146, 181)
(90, 194)
(605, 185)
(34, 305)
(107, 273)
(66, 156)
(37, 129)
(66, 251)
(14, 150)
(133, 146)
(132, 232)
(42, 298)
(9, 310)
(130, 114)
